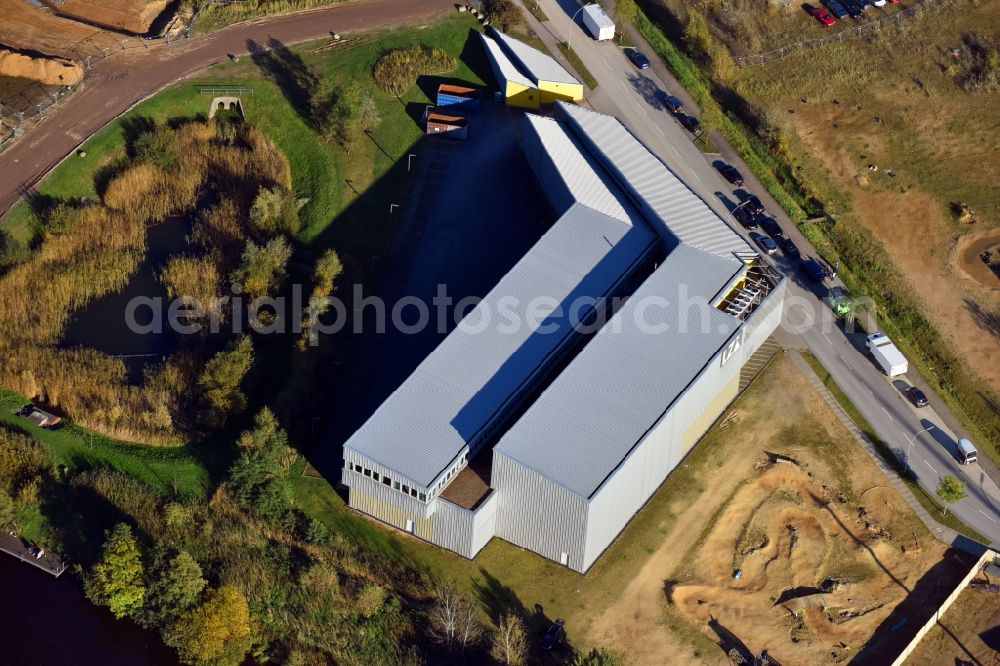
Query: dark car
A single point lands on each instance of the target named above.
(837, 9)
(731, 174)
(554, 635)
(747, 219)
(764, 242)
(673, 104)
(638, 59)
(690, 123)
(770, 225)
(814, 269)
(916, 396)
(787, 247)
(854, 8)
(751, 202)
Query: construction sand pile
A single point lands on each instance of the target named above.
(48, 71)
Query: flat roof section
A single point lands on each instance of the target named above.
(591, 416)
(461, 386)
(537, 65)
(682, 212)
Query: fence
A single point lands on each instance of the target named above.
(986, 558)
(855, 32)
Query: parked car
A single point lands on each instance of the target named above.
(837, 9)
(814, 269)
(730, 173)
(878, 3)
(854, 8)
(916, 396)
(751, 201)
(764, 242)
(637, 58)
(554, 635)
(770, 225)
(787, 247)
(823, 16)
(839, 301)
(673, 104)
(690, 123)
(747, 219)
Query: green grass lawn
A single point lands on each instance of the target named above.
(175, 471)
(578, 65)
(931, 504)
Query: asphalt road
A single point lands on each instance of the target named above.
(633, 96)
(114, 85)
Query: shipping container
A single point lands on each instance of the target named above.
(458, 97)
(454, 127)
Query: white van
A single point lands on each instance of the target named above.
(967, 453)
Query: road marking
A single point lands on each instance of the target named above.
(929, 465)
(828, 339)
(639, 106)
(886, 411)
(988, 517)
(845, 362)
(865, 387)
(660, 129)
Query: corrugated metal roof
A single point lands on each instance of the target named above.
(537, 65)
(458, 388)
(682, 213)
(583, 176)
(503, 69)
(600, 17)
(589, 418)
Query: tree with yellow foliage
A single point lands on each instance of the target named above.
(217, 632)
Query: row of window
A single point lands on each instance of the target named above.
(395, 485)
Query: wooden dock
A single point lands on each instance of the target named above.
(49, 562)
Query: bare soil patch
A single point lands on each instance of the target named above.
(819, 538)
(134, 16)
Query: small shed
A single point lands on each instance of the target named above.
(452, 126)
(458, 97)
(40, 417)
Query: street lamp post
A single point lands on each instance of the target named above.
(572, 20)
(912, 441)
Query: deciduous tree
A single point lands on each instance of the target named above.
(454, 623)
(368, 116)
(503, 13)
(950, 490)
(263, 266)
(217, 632)
(117, 580)
(221, 379)
(510, 641)
(275, 210)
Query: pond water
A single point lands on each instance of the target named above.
(103, 326)
(47, 621)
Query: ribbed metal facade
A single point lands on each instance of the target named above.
(537, 514)
(389, 506)
(463, 531)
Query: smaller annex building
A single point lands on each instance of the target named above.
(527, 77)
(553, 433)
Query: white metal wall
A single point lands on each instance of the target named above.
(536, 514)
(665, 445)
(462, 531)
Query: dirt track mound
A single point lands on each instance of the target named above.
(978, 257)
(49, 71)
(134, 16)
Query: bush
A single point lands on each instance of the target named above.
(503, 13)
(398, 69)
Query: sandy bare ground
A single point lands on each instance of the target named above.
(720, 529)
(968, 631)
(27, 28)
(130, 15)
(917, 233)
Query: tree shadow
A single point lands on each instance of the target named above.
(986, 320)
(286, 68)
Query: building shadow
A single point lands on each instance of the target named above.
(920, 604)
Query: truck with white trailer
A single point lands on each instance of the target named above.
(598, 23)
(886, 354)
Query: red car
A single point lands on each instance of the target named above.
(823, 16)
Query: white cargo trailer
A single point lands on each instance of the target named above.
(886, 354)
(598, 23)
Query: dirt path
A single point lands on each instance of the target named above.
(116, 84)
(696, 559)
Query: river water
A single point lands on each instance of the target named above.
(47, 621)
